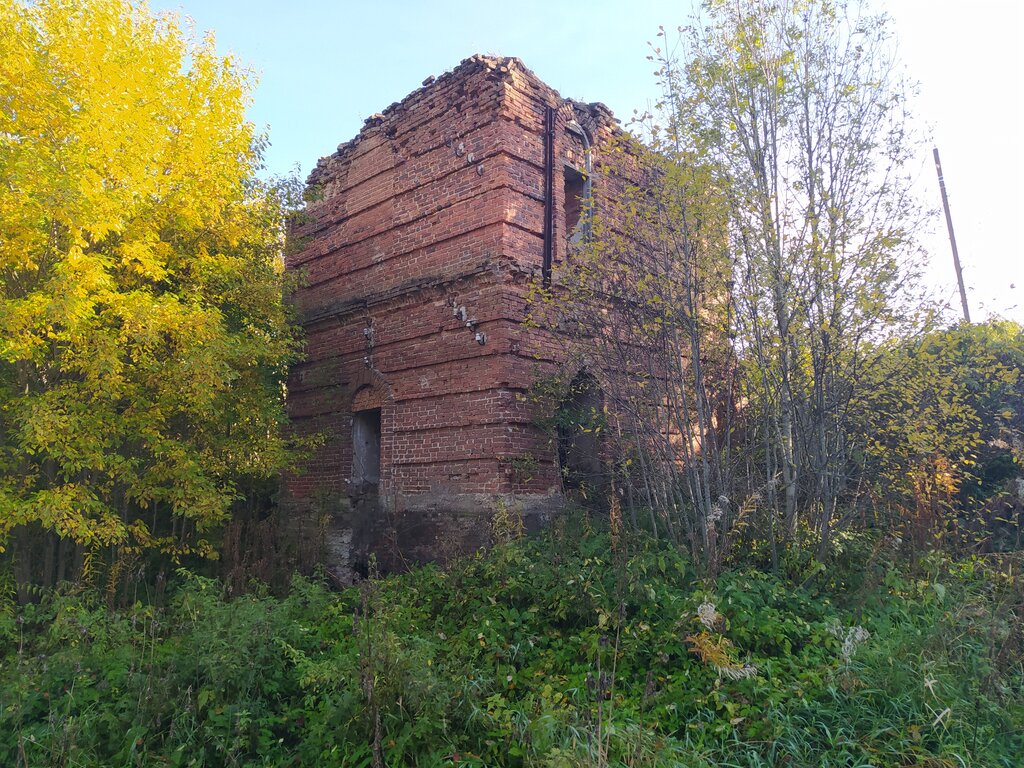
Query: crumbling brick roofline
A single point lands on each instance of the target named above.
(496, 67)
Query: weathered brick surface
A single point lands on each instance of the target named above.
(437, 205)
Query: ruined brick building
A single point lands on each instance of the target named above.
(417, 255)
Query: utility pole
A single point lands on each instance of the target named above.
(952, 237)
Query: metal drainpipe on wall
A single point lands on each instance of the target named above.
(549, 193)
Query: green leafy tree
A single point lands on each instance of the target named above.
(942, 428)
(802, 108)
(143, 336)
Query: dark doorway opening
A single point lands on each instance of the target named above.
(366, 452)
(581, 420)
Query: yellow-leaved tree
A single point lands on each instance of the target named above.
(143, 337)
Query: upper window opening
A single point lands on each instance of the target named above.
(575, 204)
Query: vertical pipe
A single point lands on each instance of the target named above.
(549, 193)
(952, 238)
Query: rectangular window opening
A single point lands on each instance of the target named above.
(366, 452)
(575, 186)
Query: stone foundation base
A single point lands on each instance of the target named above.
(410, 530)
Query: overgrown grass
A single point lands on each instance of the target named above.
(568, 649)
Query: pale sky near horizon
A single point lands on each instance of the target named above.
(325, 66)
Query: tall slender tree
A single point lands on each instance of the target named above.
(803, 108)
(772, 210)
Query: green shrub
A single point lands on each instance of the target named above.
(558, 650)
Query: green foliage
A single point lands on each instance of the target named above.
(941, 430)
(800, 109)
(561, 650)
(200, 683)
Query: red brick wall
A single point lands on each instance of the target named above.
(438, 204)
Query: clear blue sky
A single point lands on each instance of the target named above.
(326, 66)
